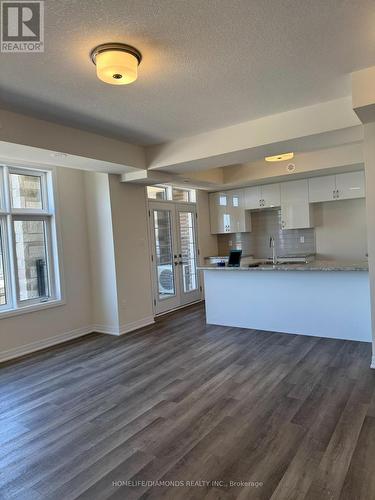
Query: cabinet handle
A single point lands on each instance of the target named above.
(337, 194)
(334, 194)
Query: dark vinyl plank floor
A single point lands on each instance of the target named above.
(185, 410)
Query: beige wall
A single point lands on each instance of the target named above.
(40, 326)
(340, 229)
(106, 269)
(129, 219)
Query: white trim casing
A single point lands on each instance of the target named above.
(372, 362)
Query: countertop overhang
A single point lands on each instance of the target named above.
(316, 265)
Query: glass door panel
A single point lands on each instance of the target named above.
(164, 253)
(174, 255)
(187, 236)
(3, 297)
(166, 289)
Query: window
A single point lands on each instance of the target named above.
(157, 192)
(171, 193)
(186, 195)
(28, 248)
(223, 200)
(235, 201)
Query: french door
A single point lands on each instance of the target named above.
(174, 255)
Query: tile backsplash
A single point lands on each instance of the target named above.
(266, 223)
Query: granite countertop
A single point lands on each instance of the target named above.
(316, 265)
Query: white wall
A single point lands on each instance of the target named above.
(340, 229)
(369, 153)
(129, 219)
(37, 327)
(105, 314)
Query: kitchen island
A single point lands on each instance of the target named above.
(322, 298)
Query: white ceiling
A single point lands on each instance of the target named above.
(207, 64)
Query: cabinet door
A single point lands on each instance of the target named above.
(219, 216)
(350, 185)
(294, 192)
(252, 198)
(295, 208)
(270, 195)
(296, 215)
(322, 188)
(240, 220)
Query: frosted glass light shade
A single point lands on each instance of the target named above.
(116, 64)
(117, 68)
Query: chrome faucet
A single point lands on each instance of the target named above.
(272, 245)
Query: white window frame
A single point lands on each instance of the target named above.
(8, 215)
(169, 194)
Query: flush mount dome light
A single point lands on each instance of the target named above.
(116, 63)
(282, 157)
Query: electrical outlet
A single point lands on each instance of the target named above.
(302, 239)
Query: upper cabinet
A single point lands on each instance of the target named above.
(322, 188)
(350, 185)
(227, 213)
(230, 210)
(253, 198)
(337, 187)
(267, 196)
(295, 209)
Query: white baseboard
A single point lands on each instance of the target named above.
(73, 334)
(16, 352)
(126, 328)
(372, 362)
(107, 329)
(135, 325)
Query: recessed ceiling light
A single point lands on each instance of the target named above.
(59, 155)
(116, 63)
(282, 157)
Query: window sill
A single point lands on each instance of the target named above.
(32, 308)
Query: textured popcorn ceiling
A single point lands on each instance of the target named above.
(207, 63)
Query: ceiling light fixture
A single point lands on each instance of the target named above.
(57, 154)
(116, 63)
(282, 157)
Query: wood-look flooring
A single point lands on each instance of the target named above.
(182, 401)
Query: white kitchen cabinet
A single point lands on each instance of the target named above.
(350, 185)
(253, 198)
(219, 213)
(322, 188)
(266, 196)
(337, 187)
(296, 212)
(227, 213)
(270, 195)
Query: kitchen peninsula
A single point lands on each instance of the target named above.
(322, 298)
